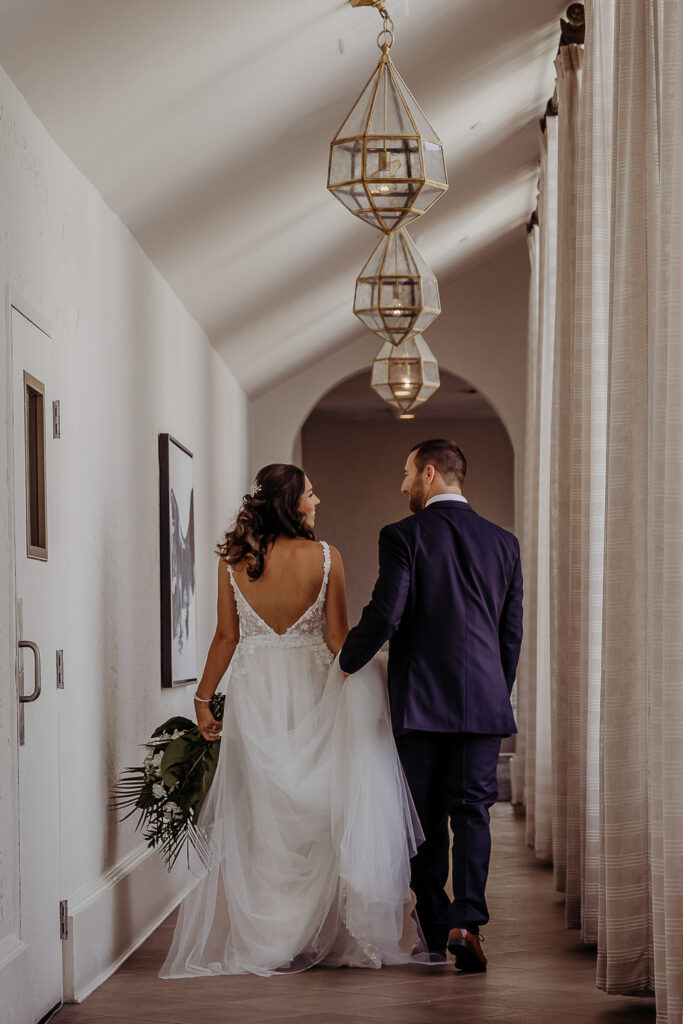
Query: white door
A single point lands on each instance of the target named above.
(31, 983)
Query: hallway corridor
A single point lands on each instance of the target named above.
(538, 973)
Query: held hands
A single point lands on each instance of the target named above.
(209, 727)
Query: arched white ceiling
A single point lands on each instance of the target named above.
(206, 126)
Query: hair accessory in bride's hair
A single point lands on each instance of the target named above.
(256, 489)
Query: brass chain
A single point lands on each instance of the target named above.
(386, 36)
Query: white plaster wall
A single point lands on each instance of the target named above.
(131, 363)
(356, 467)
(481, 336)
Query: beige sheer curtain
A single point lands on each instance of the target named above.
(589, 441)
(603, 525)
(641, 906)
(525, 701)
(532, 771)
(565, 468)
(584, 80)
(665, 529)
(625, 916)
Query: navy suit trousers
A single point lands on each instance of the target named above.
(451, 776)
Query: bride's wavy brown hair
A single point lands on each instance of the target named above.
(271, 511)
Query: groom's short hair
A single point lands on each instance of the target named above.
(445, 456)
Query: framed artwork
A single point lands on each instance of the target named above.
(176, 530)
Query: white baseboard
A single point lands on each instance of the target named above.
(113, 915)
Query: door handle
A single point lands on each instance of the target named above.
(23, 698)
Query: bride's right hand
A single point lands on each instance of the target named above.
(209, 727)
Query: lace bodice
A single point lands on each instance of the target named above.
(306, 631)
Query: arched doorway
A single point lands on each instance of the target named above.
(354, 449)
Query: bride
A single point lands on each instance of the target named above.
(309, 822)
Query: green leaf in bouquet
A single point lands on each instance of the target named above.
(176, 755)
(210, 762)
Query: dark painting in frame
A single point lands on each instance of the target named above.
(178, 591)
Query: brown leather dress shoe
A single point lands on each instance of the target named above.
(466, 948)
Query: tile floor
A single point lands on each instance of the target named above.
(538, 972)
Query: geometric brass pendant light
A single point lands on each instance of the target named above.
(387, 167)
(396, 291)
(405, 375)
(386, 161)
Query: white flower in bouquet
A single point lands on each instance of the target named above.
(159, 791)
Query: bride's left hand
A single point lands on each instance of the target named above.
(209, 727)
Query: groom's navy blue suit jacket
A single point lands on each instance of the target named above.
(449, 598)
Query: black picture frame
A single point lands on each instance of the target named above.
(177, 564)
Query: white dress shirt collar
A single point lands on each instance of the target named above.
(446, 497)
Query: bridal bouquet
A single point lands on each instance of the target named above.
(170, 786)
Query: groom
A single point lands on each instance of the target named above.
(449, 595)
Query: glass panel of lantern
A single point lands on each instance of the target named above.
(396, 291)
(405, 375)
(385, 152)
(434, 163)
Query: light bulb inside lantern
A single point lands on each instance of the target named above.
(405, 385)
(385, 169)
(383, 189)
(397, 308)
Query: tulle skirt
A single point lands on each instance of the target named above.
(309, 826)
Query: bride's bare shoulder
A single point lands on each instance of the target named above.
(295, 549)
(312, 550)
(308, 548)
(297, 543)
(305, 552)
(315, 545)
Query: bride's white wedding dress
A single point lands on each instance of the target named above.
(309, 819)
